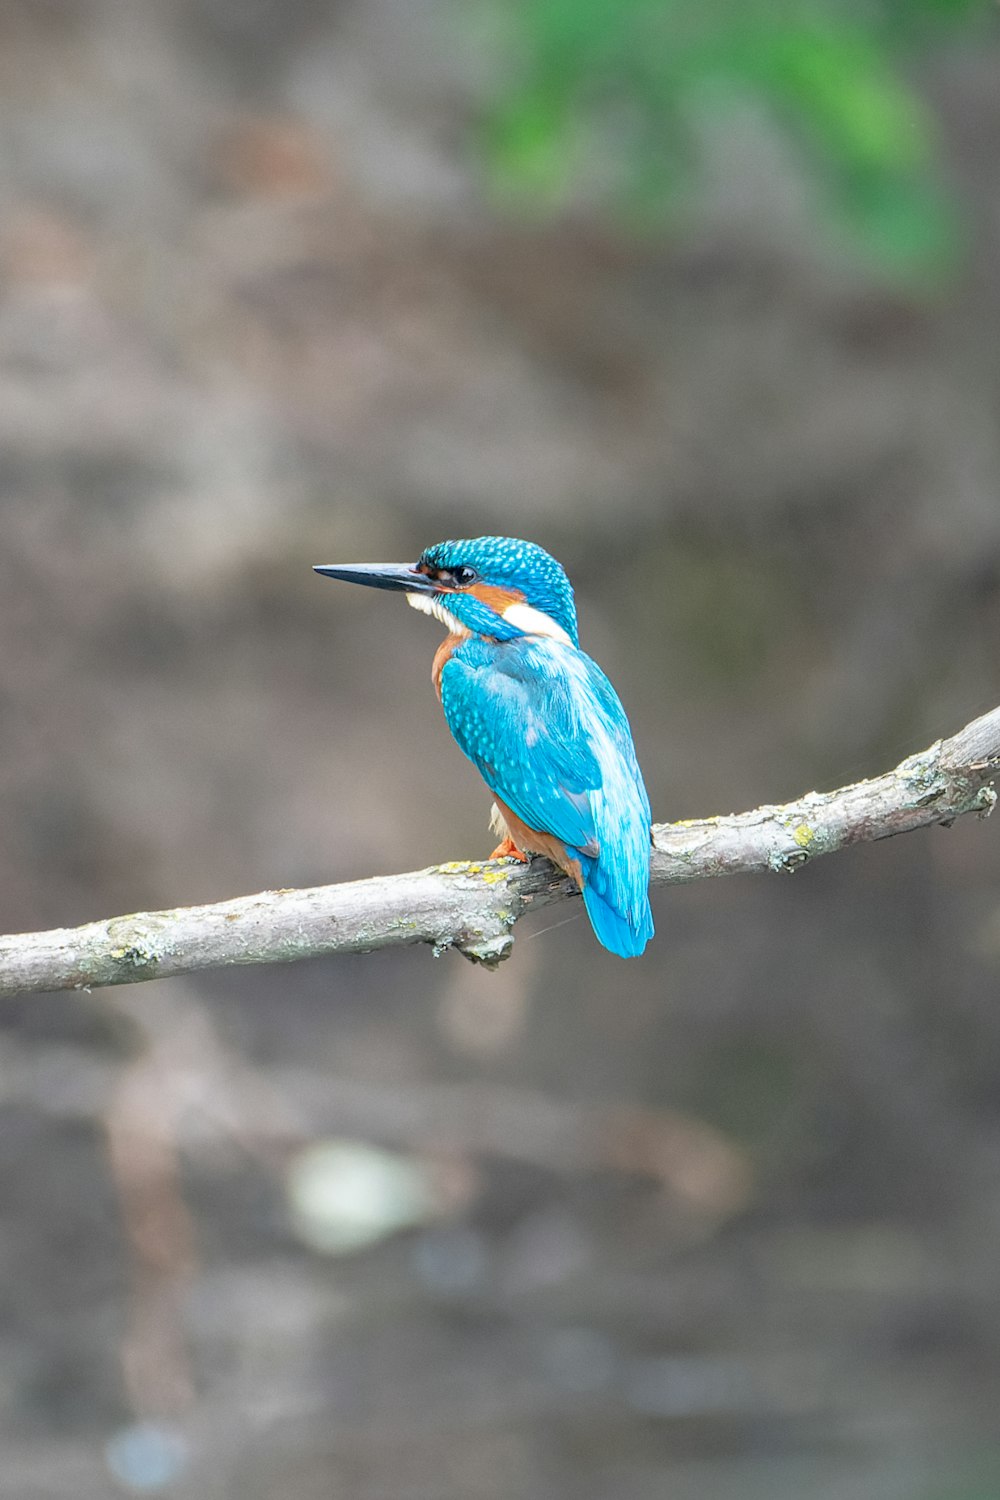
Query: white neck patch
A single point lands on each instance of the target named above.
(429, 605)
(535, 622)
(521, 616)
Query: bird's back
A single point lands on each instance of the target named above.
(551, 739)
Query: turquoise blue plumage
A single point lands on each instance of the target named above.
(546, 729)
(537, 717)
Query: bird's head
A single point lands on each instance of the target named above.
(486, 585)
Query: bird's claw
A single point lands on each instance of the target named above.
(507, 849)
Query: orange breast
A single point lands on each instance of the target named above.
(533, 841)
(441, 655)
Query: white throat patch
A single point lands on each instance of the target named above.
(522, 616)
(429, 605)
(535, 622)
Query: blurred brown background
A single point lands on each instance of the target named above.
(719, 1223)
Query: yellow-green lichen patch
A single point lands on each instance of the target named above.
(133, 957)
(803, 835)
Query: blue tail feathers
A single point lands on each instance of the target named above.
(614, 930)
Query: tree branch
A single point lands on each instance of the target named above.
(473, 906)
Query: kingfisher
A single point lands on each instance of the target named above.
(537, 717)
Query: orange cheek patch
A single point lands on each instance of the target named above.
(498, 599)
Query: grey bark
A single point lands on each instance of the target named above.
(473, 905)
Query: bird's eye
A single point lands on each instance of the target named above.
(463, 575)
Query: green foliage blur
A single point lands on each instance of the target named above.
(612, 97)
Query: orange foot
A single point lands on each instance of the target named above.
(509, 850)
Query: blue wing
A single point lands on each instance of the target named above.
(550, 737)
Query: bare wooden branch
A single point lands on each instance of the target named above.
(473, 906)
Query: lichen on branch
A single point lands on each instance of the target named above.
(473, 906)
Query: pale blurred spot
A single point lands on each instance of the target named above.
(347, 1195)
(147, 1456)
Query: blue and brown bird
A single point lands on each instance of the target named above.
(537, 717)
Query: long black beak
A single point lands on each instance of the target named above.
(397, 576)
